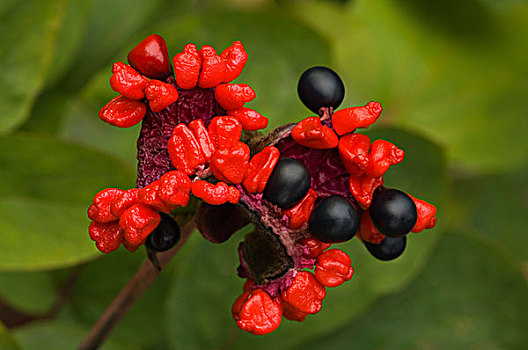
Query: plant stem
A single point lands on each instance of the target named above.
(145, 275)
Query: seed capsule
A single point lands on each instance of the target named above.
(389, 249)
(334, 220)
(165, 236)
(320, 87)
(288, 183)
(393, 212)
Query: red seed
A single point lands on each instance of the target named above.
(187, 65)
(233, 96)
(213, 68)
(348, 119)
(235, 58)
(151, 57)
(160, 95)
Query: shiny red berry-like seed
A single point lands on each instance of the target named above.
(288, 183)
(389, 249)
(383, 154)
(320, 87)
(184, 150)
(214, 194)
(315, 246)
(165, 236)
(225, 131)
(393, 212)
(354, 153)
(367, 231)
(256, 312)
(334, 220)
(151, 57)
(362, 188)
(123, 112)
(175, 188)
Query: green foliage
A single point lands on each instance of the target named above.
(451, 77)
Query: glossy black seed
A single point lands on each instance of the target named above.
(393, 212)
(389, 249)
(165, 236)
(288, 183)
(334, 220)
(320, 87)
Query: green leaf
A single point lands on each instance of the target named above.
(494, 208)
(58, 335)
(99, 283)
(29, 292)
(81, 124)
(29, 32)
(206, 286)
(103, 37)
(466, 297)
(462, 88)
(6, 339)
(46, 189)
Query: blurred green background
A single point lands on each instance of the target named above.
(452, 77)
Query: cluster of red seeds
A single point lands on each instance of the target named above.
(213, 150)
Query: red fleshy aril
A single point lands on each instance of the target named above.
(233, 96)
(108, 236)
(225, 131)
(123, 112)
(309, 132)
(300, 213)
(151, 58)
(213, 68)
(214, 194)
(126, 81)
(187, 65)
(305, 293)
(257, 312)
(367, 231)
(175, 188)
(99, 211)
(150, 195)
(315, 246)
(260, 168)
(201, 134)
(333, 268)
(125, 201)
(251, 120)
(426, 215)
(362, 188)
(348, 119)
(230, 164)
(160, 95)
(235, 58)
(353, 151)
(138, 222)
(184, 150)
(383, 154)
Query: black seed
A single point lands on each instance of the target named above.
(288, 183)
(389, 249)
(334, 220)
(165, 236)
(393, 212)
(320, 87)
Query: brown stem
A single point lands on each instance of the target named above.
(145, 275)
